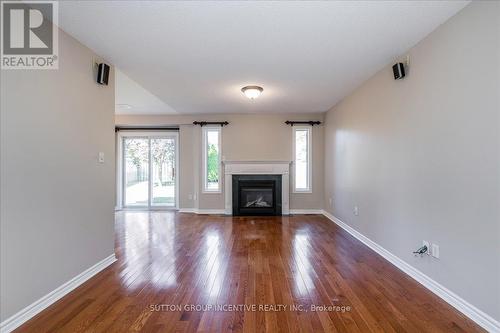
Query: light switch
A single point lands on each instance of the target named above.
(101, 157)
(435, 251)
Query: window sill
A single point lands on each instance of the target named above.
(211, 192)
(302, 192)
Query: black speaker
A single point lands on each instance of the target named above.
(103, 74)
(399, 71)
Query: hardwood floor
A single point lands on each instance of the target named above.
(167, 258)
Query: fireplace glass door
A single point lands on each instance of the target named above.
(259, 197)
(256, 195)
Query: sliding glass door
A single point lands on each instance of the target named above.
(136, 171)
(163, 171)
(149, 165)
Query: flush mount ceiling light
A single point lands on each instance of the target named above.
(252, 92)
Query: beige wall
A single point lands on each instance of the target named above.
(56, 199)
(420, 157)
(247, 138)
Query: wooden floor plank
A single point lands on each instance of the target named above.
(177, 259)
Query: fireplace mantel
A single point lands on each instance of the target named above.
(257, 168)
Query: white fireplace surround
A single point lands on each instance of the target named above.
(257, 168)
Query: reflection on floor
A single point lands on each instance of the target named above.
(186, 273)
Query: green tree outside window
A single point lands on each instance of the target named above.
(212, 164)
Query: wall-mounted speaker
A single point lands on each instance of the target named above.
(102, 74)
(399, 71)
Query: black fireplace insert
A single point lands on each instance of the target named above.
(256, 195)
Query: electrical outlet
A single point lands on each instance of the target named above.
(435, 251)
(331, 201)
(355, 211)
(426, 243)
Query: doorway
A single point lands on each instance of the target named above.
(148, 170)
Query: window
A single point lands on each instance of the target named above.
(302, 158)
(212, 159)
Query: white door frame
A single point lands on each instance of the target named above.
(120, 162)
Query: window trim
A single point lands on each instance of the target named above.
(307, 128)
(205, 130)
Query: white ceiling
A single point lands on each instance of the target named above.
(139, 100)
(196, 55)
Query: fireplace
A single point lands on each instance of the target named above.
(277, 171)
(257, 195)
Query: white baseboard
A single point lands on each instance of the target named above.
(202, 211)
(306, 211)
(211, 211)
(222, 211)
(188, 210)
(478, 316)
(36, 307)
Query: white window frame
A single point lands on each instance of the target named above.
(205, 130)
(309, 159)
